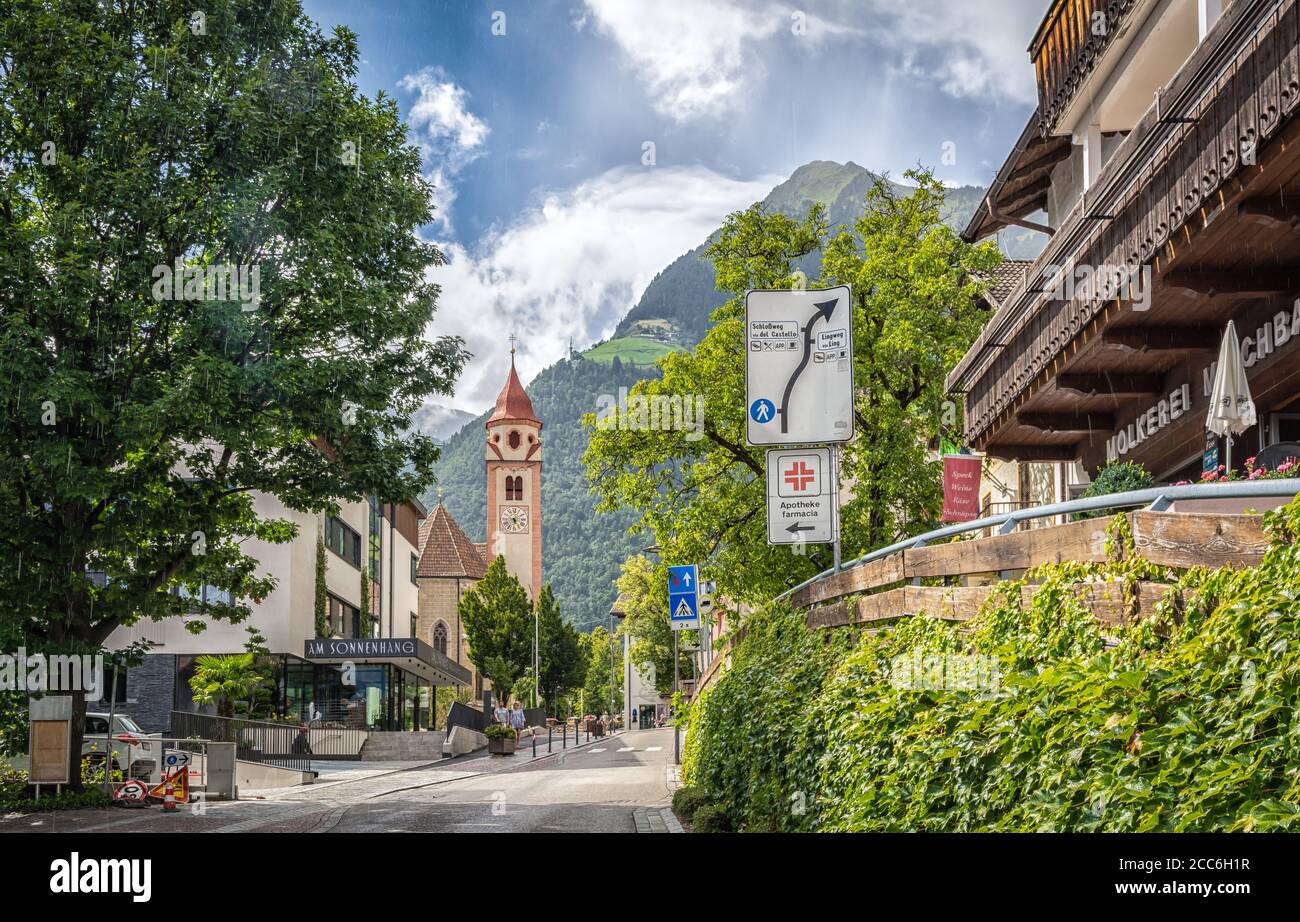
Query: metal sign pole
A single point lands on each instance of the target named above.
(835, 500)
(677, 734)
(112, 713)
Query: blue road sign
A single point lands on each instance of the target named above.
(762, 410)
(684, 597)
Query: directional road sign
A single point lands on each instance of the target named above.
(799, 366)
(684, 597)
(800, 496)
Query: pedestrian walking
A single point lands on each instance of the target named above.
(517, 720)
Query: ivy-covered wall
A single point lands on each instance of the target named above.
(1186, 721)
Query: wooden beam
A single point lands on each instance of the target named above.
(1261, 282)
(1199, 539)
(1108, 385)
(871, 575)
(1164, 339)
(1108, 602)
(1082, 542)
(1068, 422)
(1033, 452)
(1271, 209)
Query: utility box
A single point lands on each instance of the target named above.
(220, 771)
(50, 718)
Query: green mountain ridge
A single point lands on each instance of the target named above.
(581, 548)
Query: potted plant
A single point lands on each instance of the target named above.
(501, 739)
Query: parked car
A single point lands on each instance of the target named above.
(134, 751)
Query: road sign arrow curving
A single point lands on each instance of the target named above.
(824, 310)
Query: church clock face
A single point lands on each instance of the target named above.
(514, 519)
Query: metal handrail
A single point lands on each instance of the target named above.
(1154, 498)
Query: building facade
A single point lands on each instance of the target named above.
(1161, 166)
(385, 691)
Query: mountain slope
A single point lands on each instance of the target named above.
(582, 549)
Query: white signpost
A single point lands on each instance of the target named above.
(801, 496)
(799, 366)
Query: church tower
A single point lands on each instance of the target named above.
(513, 456)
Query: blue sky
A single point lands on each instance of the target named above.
(552, 218)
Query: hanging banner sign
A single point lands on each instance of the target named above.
(961, 487)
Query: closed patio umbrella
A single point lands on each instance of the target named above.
(1232, 410)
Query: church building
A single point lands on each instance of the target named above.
(450, 563)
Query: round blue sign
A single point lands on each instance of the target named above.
(762, 410)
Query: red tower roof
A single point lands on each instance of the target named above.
(444, 549)
(513, 402)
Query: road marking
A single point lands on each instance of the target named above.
(628, 749)
(595, 750)
(653, 748)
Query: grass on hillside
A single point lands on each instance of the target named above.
(635, 350)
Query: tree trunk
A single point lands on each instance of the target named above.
(76, 739)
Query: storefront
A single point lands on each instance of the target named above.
(361, 684)
(375, 684)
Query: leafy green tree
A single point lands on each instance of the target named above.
(915, 300)
(145, 155)
(562, 666)
(598, 647)
(498, 621)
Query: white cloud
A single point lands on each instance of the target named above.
(701, 58)
(694, 58)
(969, 49)
(572, 264)
(449, 134)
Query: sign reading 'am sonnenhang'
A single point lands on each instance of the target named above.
(361, 647)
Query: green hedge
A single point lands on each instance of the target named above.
(1187, 721)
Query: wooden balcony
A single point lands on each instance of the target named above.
(1184, 196)
(1070, 40)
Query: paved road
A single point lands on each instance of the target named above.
(617, 784)
(596, 788)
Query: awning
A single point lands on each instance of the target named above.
(409, 653)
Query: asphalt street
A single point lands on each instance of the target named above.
(618, 784)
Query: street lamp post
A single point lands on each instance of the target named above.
(614, 612)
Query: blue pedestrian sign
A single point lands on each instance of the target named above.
(684, 597)
(762, 410)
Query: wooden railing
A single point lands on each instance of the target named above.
(1233, 94)
(1071, 39)
(882, 592)
(886, 585)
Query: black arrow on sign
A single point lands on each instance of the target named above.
(824, 310)
(796, 528)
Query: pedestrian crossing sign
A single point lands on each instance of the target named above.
(683, 597)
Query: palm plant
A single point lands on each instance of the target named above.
(220, 681)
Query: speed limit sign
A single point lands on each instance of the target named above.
(130, 792)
